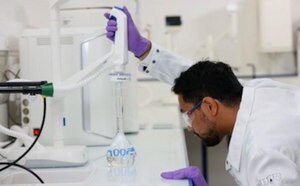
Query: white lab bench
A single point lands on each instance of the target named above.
(158, 150)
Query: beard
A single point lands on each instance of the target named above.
(211, 137)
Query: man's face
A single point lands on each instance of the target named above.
(200, 124)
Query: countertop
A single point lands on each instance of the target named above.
(157, 150)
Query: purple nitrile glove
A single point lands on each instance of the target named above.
(136, 43)
(191, 172)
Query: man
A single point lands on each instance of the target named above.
(262, 116)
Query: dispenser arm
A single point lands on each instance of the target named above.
(117, 58)
(120, 57)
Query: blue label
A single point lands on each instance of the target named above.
(121, 152)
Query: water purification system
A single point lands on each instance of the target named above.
(59, 154)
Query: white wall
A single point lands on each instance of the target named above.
(15, 15)
(204, 17)
(200, 19)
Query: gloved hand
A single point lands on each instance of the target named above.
(191, 172)
(136, 43)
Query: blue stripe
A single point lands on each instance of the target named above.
(119, 8)
(64, 121)
(190, 182)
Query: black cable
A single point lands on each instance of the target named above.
(31, 146)
(22, 167)
(5, 146)
(11, 72)
(11, 142)
(35, 140)
(21, 84)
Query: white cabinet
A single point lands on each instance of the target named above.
(275, 26)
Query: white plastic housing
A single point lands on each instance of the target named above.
(120, 57)
(97, 108)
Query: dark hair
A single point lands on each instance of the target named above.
(207, 78)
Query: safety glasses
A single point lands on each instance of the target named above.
(188, 115)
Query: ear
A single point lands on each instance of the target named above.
(210, 106)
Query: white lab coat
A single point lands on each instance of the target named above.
(265, 143)
(164, 65)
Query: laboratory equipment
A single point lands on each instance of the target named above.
(35, 45)
(121, 152)
(60, 155)
(36, 154)
(7, 151)
(93, 104)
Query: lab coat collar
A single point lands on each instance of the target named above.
(240, 126)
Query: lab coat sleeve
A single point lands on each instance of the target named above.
(266, 166)
(164, 65)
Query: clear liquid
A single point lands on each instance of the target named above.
(117, 161)
(121, 152)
